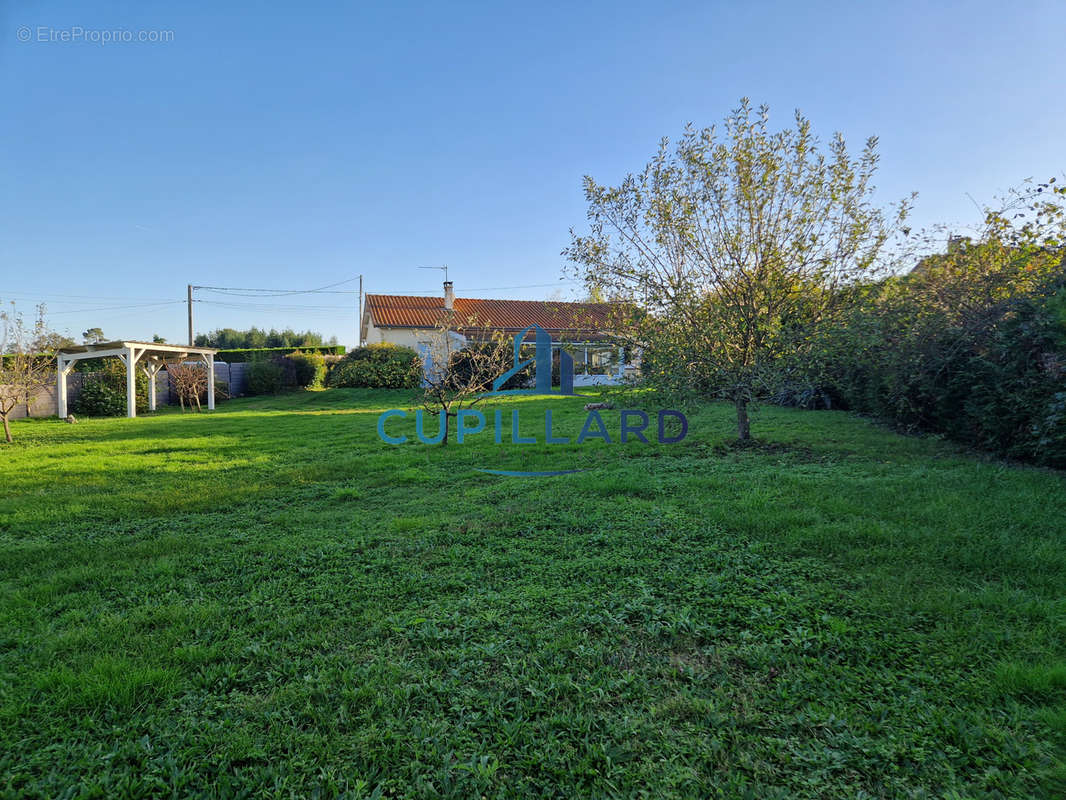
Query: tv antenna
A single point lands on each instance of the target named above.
(444, 267)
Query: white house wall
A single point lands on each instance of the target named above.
(404, 337)
(418, 338)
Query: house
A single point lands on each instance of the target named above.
(583, 329)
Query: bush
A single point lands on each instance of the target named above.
(378, 366)
(264, 377)
(97, 399)
(972, 347)
(304, 369)
(1049, 430)
(103, 393)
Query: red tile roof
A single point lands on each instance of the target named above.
(584, 320)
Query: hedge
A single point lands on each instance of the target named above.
(264, 377)
(977, 355)
(266, 353)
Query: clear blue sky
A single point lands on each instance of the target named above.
(301, 145)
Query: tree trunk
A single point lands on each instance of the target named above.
(7, 430)
(743, 427)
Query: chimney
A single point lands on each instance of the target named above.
(449, 296)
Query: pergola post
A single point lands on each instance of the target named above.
(131, 382)
(210, 381)
(61, 387)
(151, 369)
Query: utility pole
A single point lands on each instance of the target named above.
(190, 315)
(359, 321)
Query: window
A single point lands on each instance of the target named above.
(603, 360)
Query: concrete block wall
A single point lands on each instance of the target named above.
(236, 376)
(44, 403)
(232, 374)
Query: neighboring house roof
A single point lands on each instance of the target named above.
(578, 320)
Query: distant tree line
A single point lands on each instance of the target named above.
(232, 339)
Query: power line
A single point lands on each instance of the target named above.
(271, 306)
(77, 297)
(114, 308)
(245, 292)
(323, 290)
(280, 292)
(527, 286)
(482, 289)
(49, 297)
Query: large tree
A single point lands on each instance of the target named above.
(735, 245)
(51, 341)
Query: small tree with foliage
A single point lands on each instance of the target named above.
(25, 369)
(735, 247)
(459, 373)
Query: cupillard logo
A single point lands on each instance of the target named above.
(633, 423)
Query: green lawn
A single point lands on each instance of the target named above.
(269, 602)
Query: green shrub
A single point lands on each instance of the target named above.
(972, 347)
(305, 369)
(103, 393)
(378, 366)
(97, 399)
(1049, 430)
(264, 377)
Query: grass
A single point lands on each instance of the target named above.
(269, 602)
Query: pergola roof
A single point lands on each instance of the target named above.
(79, 351)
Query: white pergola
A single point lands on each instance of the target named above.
(150, 357)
